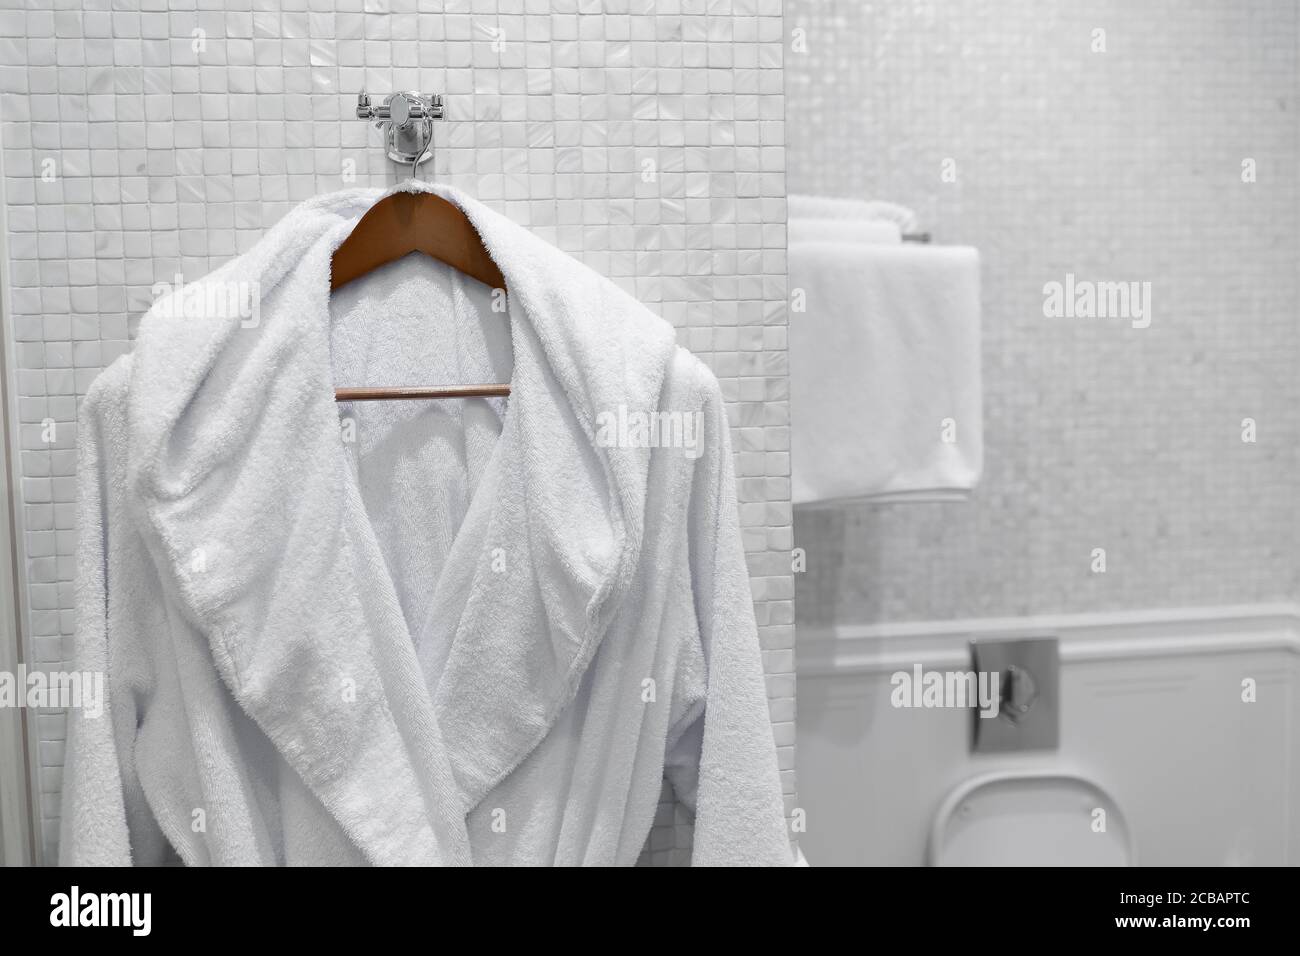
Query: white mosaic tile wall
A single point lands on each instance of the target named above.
(148, 137)
(1121, 165)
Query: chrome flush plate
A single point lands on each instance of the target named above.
(1029, 686)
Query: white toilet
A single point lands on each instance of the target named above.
(1029, 819)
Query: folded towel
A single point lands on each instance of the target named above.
(885, 372)
(836, 207)
(844, 230)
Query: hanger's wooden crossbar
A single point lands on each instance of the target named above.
(397, 225)
(431, 391)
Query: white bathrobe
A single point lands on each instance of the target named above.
(444, 632)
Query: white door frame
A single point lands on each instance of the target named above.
(17, 831)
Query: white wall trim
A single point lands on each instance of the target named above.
(944, 645)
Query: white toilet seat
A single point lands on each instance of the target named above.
(1030, 818)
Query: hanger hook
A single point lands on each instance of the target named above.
(427, 125)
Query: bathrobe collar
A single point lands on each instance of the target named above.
(255, 521)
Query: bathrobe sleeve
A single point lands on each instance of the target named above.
(100, 789)
(722, 756)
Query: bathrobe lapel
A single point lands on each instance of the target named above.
(256, 524)
(537, 572)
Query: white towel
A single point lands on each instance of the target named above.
(837, 207)
(844, 230)
(885, 372)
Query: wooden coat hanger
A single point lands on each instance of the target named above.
(396, 226)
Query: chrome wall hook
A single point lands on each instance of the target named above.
(407, 121)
